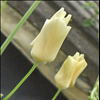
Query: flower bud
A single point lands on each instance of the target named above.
(46, 45)
(70, 70)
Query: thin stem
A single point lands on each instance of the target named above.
(22, 81)
(31, 9)
(3, 5)
(94, 91)
(96, 81)
(57, 93)
(95, 87)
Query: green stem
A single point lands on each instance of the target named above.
(95, 87)
(96, 81)
(93, 92)
(57, 93)
(3, 5)
(22, 81)
(31, 9)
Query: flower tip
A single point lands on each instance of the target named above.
(31, 44)
(70, 15)
(62, 8)
(77, 53)
(69, 27)
(68, 18)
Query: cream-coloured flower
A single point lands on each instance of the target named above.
(70, 70)
(47, 44)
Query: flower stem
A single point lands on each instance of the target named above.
(22, 81)
(4, 3)
(96, 81)
(95, 91)
(24, 18)
(57, 93)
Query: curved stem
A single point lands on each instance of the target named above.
(96, 81)
(93, 92)
(24, 18)
(22, 81)
(57, 93)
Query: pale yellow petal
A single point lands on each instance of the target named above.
(76, 56)
(60, 13)
(49, 41)
(67, 19)
(32, 43)
(64, 75)
(43, 28)
(81, 57)
(78, 70)
(46, 45)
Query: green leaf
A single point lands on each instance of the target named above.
(85, 6)
(93, 23)
(88, 5)
(86, 23)
(97, 11)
